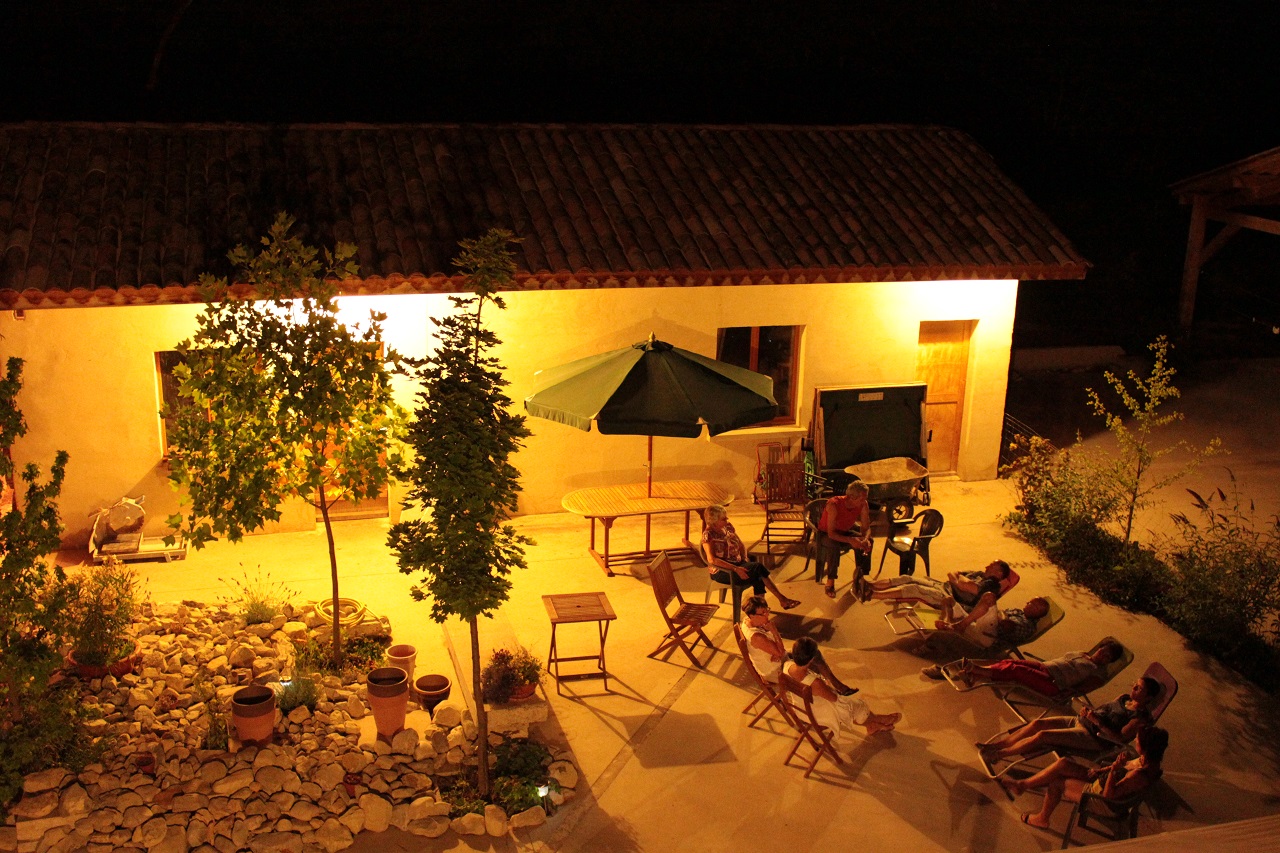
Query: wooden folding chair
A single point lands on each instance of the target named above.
(785, 496)
(686, 621)
(817, 736)
(768, 693)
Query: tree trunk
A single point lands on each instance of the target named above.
(333, 574)
(482, 717)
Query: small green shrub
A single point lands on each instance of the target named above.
(47, 731)
(520, 770)
(1227, 566)
(463, 797)
(302, 689)
(258, 597)
(359, 655)
(102, 612)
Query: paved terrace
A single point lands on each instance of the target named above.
(666, 759)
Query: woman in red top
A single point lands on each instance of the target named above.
(845, 524)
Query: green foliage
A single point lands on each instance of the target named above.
(520, 770)
(1128, 476)
(463, 797)
(460, 475)
(259, 598)
(358, 656)
(46, 730)
(280, 398)
(507, 671)
(1228, 580)
(1060, 492)
(216, 734)
(40, 725)
(102, 612)
(302, 689)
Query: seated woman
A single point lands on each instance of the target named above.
(832, 710)
(767, 650)
(1048, 678)
(964, 588)
(1117, 781)
(727, 561)
(1095, 728)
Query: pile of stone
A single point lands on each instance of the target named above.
(160, 790)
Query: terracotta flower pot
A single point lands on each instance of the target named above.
(432, 690)
(388, 692)
(253, 711)
(524, 691)
(403, 656)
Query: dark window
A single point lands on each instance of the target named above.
(771, 350)
(169, 400)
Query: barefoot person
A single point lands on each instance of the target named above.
(1048, 678)
(727, 560)
(832, 710)
(967, 589)
(1115, 722)
(1118, 780)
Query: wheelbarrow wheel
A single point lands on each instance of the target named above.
(898, 510)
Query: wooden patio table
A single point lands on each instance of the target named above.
(609, 503)
(567, 609)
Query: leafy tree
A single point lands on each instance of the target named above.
(39, 727)
(1129, 475)
(279, 398)
(462, 436)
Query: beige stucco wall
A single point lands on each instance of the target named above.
(91, 386)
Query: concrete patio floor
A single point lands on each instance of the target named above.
(667, 762)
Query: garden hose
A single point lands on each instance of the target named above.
(350, 611)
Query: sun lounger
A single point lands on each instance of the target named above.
(925, 616)
(915, 616)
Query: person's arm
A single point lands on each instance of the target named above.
(1119, 784)
(985, 603)
(767, 646)
(709, 551)
(863, 542)
(822, 690)
(960, 583)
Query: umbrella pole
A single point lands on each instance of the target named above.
(649, 481)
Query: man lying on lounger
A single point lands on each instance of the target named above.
(963, 588)
(985, 625)
(1049, 678)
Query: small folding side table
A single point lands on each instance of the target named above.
(578, 607)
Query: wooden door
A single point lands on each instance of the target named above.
(942, 362)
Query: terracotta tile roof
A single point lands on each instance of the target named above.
(120, 214)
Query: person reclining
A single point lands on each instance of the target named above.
(1123, 778)
(985, 625)
(767, 650)
(963, 588)
(1049, 678)
(1116, 722)
(831, 709)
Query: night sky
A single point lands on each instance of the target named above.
(1093, 107)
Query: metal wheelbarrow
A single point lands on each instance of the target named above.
(899, 484)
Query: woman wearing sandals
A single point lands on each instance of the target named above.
(1117, 781)
(832, 710)
(846, 524)
(727, 558)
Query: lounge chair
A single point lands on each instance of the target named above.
(914, 615)
(922, 617)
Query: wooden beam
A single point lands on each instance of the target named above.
(1191, 267)
(1219, 240)
(1242, 220)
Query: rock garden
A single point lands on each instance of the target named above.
(174, 776)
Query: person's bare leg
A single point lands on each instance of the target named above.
(1052, 796)
(824, 669)
(1063, 768)
(949, 609)
(1024, 731)
(787, 603)
(881, 723)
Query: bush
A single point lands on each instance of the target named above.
(258, 597)
(359, 655)
(521, 769)
(1227, 596)
(48, 730)
(102, 613)
(302, 689)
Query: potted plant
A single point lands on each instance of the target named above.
(510, 675)
(103, 610)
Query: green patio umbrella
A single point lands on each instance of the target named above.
(652, 388)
